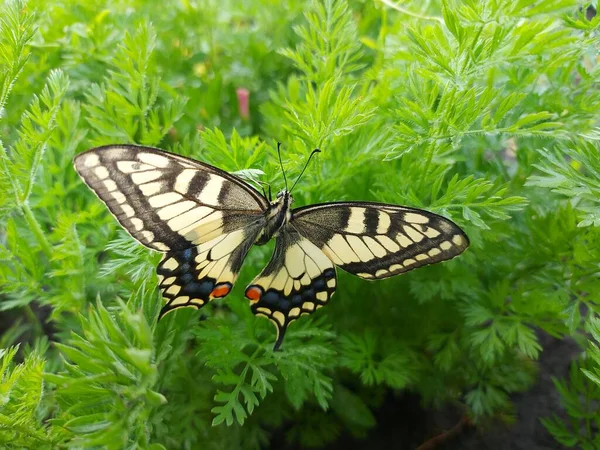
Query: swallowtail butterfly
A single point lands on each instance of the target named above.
(205, 220)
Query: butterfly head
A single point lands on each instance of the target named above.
(284, 196)
(282, 203)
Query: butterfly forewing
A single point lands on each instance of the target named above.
(161, 198)
(298, 280)
(376, 240)
(204, 219)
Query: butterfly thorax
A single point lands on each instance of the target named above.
(277, 215)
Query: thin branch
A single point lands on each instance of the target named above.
(34, 225)
(410, 13)
(445, 436)
(34, 320)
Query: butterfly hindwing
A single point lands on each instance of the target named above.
(202, 218)
(376, 240)
(298, 280)
(194, 276)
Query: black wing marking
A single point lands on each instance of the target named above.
(377, 240)
(298, 280)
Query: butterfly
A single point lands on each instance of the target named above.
(204, 220)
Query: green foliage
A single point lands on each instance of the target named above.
(361, 357)
(106, 390)
(485, 112)
(328, 43)
(575, 174)
(579, 397)
(129, 100)
(21, 413)
(247, 367)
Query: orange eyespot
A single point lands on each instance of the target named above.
(254, 293)
(221, 290)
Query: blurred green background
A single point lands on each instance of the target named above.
(484, 112)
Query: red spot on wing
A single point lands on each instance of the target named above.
(254, 293)
(221, 290)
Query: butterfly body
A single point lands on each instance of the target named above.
(204, 221)
(277, 216)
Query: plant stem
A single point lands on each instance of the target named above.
(37, 229)
(34, 320)
(445, 436)
(426, 168)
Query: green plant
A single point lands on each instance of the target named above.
(485, 112)
(579, 397)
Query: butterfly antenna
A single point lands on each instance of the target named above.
(316, 150)
(281, 164)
